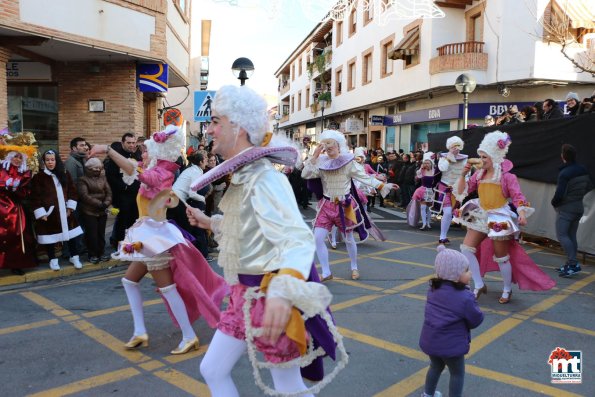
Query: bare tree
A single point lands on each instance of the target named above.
(558, 29)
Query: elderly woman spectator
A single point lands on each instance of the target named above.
(95, 196)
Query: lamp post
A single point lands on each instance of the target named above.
(242, 69)
(465, 85)
(322, 104)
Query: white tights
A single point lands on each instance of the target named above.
(469, 253)
(223, 354)
(322, 251)
(445, 223)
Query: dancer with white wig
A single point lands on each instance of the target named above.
(267, 252)
(340, 204)
(497, 214)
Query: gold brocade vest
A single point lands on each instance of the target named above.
(143, 205)
(490, 196)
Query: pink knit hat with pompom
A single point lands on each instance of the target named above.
(450, 264)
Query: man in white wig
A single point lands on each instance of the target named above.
(266, 251)
(451, 165)
(340, 205)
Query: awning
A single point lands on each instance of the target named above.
(408, 46)
(581, 13)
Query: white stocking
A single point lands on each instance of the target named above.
(222, 355)
(469, 253)
(445, 224)
(178, 308)
(351, 249)
(321, 250)
(334, 235)
(289, 380)
(506, 271)
(424, 214)
(429, 216)
(135, 300)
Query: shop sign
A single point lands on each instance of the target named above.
(376, 120)
(354, 125)
(28, 71)
(440, 113)
(40, 105)
(480, 110)
(152, 77)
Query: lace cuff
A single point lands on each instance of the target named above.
(385, 189)
(216, 225)
(310, 297)
(129, 179)
(527, 210)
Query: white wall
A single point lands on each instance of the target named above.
(177, 54)
(96, 19)
(178, 24)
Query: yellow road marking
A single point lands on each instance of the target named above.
(109, 341)
(405, 387)
(47, 304)
(85, 384)
(116, 309)
(383, 344)
(564, 327)
(352, 302)
(357, 284)
(26, 327)
(151, 365)
(68, 282)
(490, 335)
(518, 382)
(411, 284)
(184, 382)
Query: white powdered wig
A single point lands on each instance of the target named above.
(245, 109)
(336, 136)
(495, 144)
(6, 162)
(170, 149)
(455, 140)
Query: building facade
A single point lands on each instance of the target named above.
(388, 82)
(72, 67)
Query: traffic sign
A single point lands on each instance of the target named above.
(202, 105)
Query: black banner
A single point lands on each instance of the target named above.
(535, 149)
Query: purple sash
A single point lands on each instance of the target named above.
(316, 326)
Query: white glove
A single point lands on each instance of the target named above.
(9, 182)
(16, 184)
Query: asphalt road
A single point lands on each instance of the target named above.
(65, 336)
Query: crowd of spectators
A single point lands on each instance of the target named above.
(69, 202)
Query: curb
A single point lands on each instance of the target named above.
(39, 274)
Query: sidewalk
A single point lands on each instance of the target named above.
(43, 272)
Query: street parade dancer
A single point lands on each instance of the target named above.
(451, 166)
(340, 204)
(18, 161)
(423, 198)
(187, 284)
(497, 214)
(266, 252)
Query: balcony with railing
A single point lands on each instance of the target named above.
(284, 85)
(467, 55)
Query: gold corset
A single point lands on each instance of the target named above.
(490, 196)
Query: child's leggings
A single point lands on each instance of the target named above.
(456, 367)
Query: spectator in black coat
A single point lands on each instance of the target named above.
(123, 195)
(551, 110)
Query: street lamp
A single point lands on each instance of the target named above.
(322, 104)
(242, 68)
(465, 85)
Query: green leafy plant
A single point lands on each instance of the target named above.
(324, 96)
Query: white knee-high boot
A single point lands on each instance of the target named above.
(469, 253)
(135, 300)
(321, 250)
(445, 223)
(424, 215)
(178, 308)
(429, 217)
(506, 271)
(351, 249)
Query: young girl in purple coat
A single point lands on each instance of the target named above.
(451, 312)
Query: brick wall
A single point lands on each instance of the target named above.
(115, 84)
(4, 57)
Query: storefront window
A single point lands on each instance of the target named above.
(34, 108)
(419, 134)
